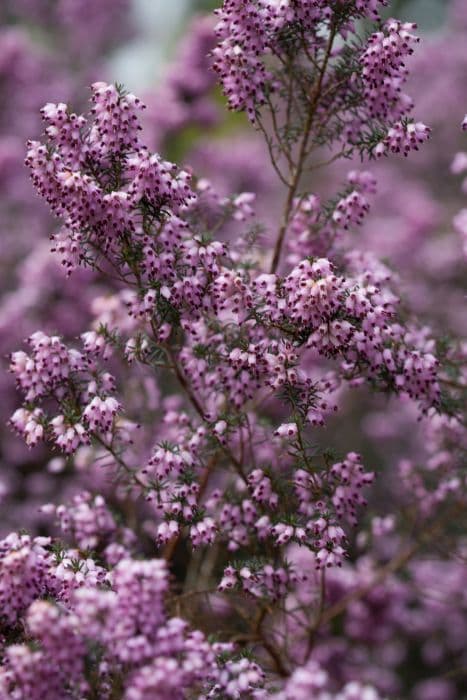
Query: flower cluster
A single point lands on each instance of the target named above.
(73, 175)
(317, 228)
(349, 317)
(88, 519)
(24, 576)
(312, 682)
(73, 382)
(384, 69)
(58, 663)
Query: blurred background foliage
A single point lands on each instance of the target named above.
(160, 24)
(157, 25)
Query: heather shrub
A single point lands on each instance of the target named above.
(254, 420)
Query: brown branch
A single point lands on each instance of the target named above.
(120, 461)
(269, 144)
(268, 645)
(302, 154)
(319, 615)
(184, 383)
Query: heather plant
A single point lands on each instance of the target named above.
(230, 551)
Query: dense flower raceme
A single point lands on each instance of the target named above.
(227, 480)
(52, 370)
(367, 111)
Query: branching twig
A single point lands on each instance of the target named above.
(297, 171)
